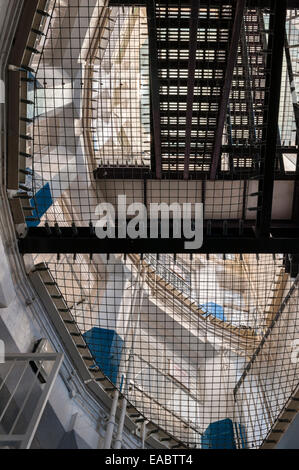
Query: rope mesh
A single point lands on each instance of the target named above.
(175, 335)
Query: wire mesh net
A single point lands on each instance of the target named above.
(176, 334)
(90, 88)
(205, 347)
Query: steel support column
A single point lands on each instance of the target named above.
(271, 113)
(231, 61)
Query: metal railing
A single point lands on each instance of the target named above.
(26, 381)
(169, 275)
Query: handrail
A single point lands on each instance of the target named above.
(24, 440)
(163, 267)
(185, 423)
(175, 382)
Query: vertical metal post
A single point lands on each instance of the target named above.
(231, 61)
(41, 404)
(272, 100)
(119, 436)
(111, 422)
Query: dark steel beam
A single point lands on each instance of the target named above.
(141, 173)
(271, 112)
(263, 32)
(231, 61)
(155, 88)
(283, 240)
(292, 85)
(250, 3)
(195, 4)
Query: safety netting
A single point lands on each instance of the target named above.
(205, 347)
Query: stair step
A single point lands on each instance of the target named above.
(184, 82)
(184, 45)
(183, 64)
(184, 23)
(211, 99)
(177, 113)
(182, 127)
(87, 358)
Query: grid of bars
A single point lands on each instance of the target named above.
(242, 137)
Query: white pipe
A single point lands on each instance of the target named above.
(111, 422)
(143, 434)
(119, 436)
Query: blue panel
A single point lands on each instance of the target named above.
(223, 435)
(106, 348)
(219, 435)
(41, 203)
(213, 309)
